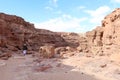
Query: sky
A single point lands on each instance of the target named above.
(61, 15)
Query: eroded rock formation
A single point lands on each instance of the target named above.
(106, 38)
(15, 31)
(75, 41)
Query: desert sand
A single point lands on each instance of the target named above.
(24, 68)
(77, 67)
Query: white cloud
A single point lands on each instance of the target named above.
(115, 1)
(53, 3)
(48, 8)
(98, 15)
(80, 7)
(58, 12)
(64, 23)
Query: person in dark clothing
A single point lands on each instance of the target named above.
(24, 49)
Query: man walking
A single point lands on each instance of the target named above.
(25, 49)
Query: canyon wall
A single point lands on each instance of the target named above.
(105, 39)
(15, 31)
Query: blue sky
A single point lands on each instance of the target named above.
(61, 15)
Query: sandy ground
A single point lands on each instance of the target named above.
(70, 68)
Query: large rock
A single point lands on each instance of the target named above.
(47, 51)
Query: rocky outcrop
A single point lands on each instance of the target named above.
(111, 25)
(106, 39)
(103, 40)
(15, 31)
(71, 38)
(75, 40)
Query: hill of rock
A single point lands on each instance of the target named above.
(15, 31)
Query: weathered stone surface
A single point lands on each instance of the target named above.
(47, 51)
(75, 40)
(106, 39)
(15, 31)
(71, 38)
(111, 25)
(103, 40)
(95, 37)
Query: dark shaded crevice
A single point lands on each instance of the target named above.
(94, 37)
(101, 35)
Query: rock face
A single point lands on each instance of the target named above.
(15, 31)
(71, 38)
(111, 25)
(106, 38)
(75, 40)
(103, 40)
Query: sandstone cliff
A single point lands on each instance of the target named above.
(105, 39)
(15, 31)
(75, 40)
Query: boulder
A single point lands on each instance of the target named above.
(47, 51)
